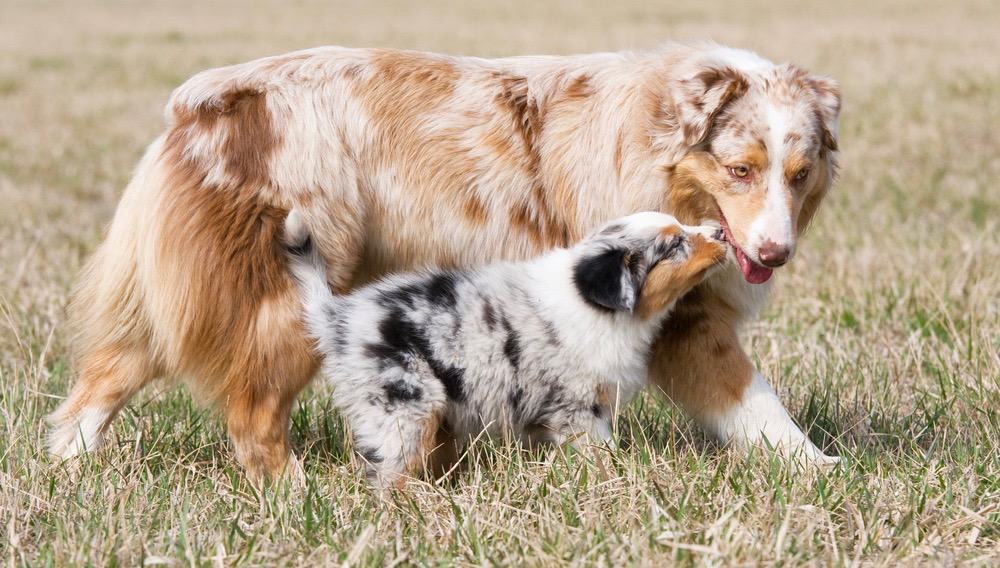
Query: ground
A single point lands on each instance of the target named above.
(883, 336)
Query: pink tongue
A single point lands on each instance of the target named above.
(752, 272)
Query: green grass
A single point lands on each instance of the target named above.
(883, 337)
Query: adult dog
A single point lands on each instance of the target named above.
(398, 160)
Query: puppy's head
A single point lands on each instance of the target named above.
(644, 262)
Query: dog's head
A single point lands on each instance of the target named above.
(763, 142)
(644, 262)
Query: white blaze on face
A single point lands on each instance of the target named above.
(775, 220)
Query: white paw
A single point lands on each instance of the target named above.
(81, 433)
(761, 420)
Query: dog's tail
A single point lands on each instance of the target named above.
(309, 271)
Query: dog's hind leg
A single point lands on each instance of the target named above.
(113, 336)
(266, 370)
(109, 377)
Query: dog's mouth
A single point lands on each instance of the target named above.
(752, 272)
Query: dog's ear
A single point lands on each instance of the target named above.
(827, 94)
(699, 99)
(607, 278)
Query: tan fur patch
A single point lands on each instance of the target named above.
(513, 99)
(435, 164)
(475, 211)
(702, 98)
(605, 395)
(793, 164)
(437, 450)
(543, 215)
(539, 219)
(693, 183)
(578, 89)
(699, 183)
(241, 116)
(698, 361)
(755, 156)
(444, 454)
(668, 281)
(236, 314)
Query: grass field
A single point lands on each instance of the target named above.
(883, 337)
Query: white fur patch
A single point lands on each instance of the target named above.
(775, 221)
(760, 417)
(83, 435)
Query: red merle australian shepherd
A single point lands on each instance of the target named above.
(397, 160)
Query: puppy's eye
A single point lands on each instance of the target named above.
(801, 175)
(739, 171)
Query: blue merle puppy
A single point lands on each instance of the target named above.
(542, 350)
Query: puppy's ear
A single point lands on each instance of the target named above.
(827, 93)
(699, 98)
(606, 279)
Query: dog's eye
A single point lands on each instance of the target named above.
(801, 175)
(739, 171)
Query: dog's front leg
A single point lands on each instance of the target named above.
(699, 364)
(758, 417)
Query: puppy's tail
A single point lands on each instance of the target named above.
(309, 271)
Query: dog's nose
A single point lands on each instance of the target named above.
(773, 255)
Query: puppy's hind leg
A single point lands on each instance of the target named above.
(397, 445)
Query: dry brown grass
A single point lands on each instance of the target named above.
(883, 337)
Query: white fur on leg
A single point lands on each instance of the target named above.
(761, 417)
(81, 434)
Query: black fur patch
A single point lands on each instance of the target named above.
(301, 249)
(519, 411)
(387, 355)
(371, 455)
(553, 403)
(554, 398)
(511, 345)
(403, 296)
(598, 279)
(441, 290)
(451, 377)
(401, 391)
(551, 335)
(401, 336)
(612, 229)
(489, 316)
(515, 398)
